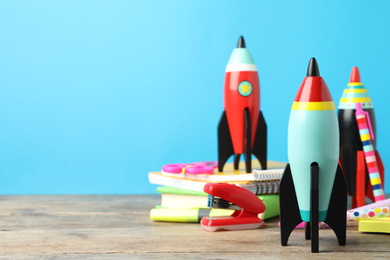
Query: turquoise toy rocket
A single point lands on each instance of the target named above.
(313, 188)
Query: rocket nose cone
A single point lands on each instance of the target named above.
(313, 70)
(241, 42)
(355, 75)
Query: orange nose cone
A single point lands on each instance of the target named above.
(355, 75)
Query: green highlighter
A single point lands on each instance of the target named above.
(192, 215)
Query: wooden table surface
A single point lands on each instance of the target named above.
(108, 226)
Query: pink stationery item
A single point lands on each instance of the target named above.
(366, 137)
(190, 168)
(302, 225)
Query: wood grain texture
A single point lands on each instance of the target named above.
(108, 226)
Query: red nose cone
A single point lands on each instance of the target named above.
(355, 75)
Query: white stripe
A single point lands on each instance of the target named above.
(370, 159)
(241, 67)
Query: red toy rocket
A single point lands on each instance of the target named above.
(242, 128)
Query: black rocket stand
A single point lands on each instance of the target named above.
(289, 211)
(259, 150)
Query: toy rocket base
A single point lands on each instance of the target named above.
(246, 204)
(259, 149)
(289, 210)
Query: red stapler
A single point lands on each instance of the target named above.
(247, 207)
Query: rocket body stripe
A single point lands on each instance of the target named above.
(355, 90)
(355, 100)
(355, 84)
(351, 105)
(240, 67)
(329, 105)
(355, 94)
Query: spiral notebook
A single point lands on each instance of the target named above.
(257, 187)
(256, 175)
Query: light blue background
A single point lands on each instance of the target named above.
(95, 94)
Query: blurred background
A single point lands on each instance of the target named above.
(95, 94)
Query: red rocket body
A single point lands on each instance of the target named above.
(235, 104)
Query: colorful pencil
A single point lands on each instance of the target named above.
(369, 153)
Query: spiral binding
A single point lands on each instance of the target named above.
(262, 187)
(268, 175)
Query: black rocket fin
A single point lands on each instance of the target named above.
(260, 145)
(248, 141)
(336, 217)
(314, 207)
(307, 231)
(236, 161)
(288, 203)
(349, 160)
(225, 144)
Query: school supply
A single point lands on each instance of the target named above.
(366, 136)
(256, 187)
(375, 225)
(190, 177)
(379, 212)
(190, 168)
(187, 173)
(187, 215)
(382, 203)
(176, 198)
(246, 207)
